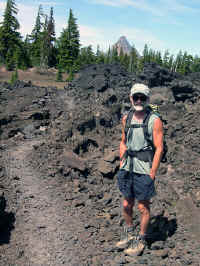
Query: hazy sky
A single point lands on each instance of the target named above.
(161, 24)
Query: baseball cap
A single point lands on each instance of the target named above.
(140, 88)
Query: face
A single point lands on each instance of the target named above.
(139, 101)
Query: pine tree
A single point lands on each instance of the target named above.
(25, 54)
(108, 56)
(134, 59)
(158, 58)
(90, 55)
(14, 76)
(145, 54)
(100, 58)
(70, 76)
(187, 62)
(195, 67)
(178, 62)
(171, 61)
(59, 75)
(51, 38)
(166, 59)
(114, 55)
(69, 45)
(36, 38)
(86, 56)
(121, 55)
(10, 38)
(151, 56)
(44, 46)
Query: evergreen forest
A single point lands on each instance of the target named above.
(42, 49)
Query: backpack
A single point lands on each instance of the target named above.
(151, 109)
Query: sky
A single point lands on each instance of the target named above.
(161, 24)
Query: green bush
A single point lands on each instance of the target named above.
(71, 76)
(14, 76)
(59, 75)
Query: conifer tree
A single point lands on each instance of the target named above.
(25, 54)
(69, 45)
(90, 55)
(133, 63)
(70, 76)
(82, 57)
(114, 55)
(10, 38)
(145, 54)
(86, 56)
(170, 64)
(195, 67)
(44, 46)
(158, 57)
(59, 75)
(14, 77)
(36, 38)
(121, 55)
(166, 59)
(100, 58)
(178, 62)
(108, 56)
(151, 56)
(51, 38)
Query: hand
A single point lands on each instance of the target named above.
(121, 163)
(152, 174)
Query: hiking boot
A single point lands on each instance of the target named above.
(126, 237)
(137, 247)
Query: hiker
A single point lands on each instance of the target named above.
(141, 151)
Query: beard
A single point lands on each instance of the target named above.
(140, 107)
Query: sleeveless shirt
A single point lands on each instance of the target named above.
(136, 142)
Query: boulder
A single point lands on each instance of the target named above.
(155, 75)
(72, 160)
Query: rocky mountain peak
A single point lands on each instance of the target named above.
(123, 44)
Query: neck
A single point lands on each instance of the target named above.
(139, 114)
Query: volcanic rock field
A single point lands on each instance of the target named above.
(59, 155)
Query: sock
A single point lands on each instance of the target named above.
(129, 229)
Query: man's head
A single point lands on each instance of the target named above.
(139, 96)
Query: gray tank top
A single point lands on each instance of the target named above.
(136, 143)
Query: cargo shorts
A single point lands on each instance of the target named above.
(134, 185)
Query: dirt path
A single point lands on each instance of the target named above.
(46, 228)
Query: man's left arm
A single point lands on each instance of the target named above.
(158, 144)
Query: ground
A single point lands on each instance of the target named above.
(36, 76)
(59, 156)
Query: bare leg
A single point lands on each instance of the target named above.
(128, 211)
(144, 209)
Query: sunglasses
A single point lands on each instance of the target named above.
(142, 98)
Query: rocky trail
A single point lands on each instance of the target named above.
(44, 222)
(59, 155)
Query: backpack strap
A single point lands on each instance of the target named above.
(145, 128)
(128, 123)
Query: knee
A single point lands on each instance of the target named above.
(128, 204)
(143, 209)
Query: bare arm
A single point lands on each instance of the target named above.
(122, 147)
(158, 144)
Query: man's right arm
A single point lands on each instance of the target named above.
(122, 147)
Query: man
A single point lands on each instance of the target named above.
(138, 167)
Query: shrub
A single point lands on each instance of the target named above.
(14, 76)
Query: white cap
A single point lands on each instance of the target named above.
(140, 88)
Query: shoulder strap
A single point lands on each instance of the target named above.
(128, 122)
(145, 128)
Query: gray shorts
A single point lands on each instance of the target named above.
(134, 185)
